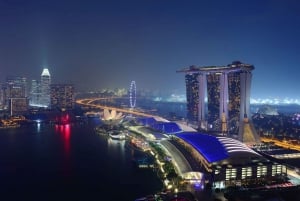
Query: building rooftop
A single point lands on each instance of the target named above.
(233, 67)
(160, 126)
(219, 149)
(208, 146)
(45, 72)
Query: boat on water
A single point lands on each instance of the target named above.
(8, 124)
(100, 130)
(140, 144)
(117, 136)
(144, 162)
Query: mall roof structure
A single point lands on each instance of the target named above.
(146, 121)
(167, 127)
(217, 149)
(163, 127)
(235, 147)
(208, 146)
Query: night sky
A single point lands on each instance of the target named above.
(105, 44)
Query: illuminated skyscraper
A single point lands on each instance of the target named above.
(21, 82)
(35, 93)
(62, 96)
(2, 96)
(14, 95)
(192, 89)
(227, 91)
(45, 88)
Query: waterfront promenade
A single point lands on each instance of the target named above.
(179, 156)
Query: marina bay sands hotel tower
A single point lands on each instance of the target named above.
(218, 99)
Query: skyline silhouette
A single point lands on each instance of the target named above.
(100, 44)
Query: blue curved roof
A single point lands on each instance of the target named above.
(208, 146)
(167, 127)
(164, 127)
(147, 121)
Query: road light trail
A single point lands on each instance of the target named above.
(89, 102)
(283, 144)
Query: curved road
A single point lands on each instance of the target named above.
(183, 166)
(89, 102)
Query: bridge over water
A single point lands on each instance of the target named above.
(90, 102)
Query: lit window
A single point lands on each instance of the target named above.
(249, 172)
(230, 173)
(273, 170)
(243, 173)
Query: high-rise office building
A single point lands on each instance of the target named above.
(45, 88)
(20, 82)
(35, 93)
(213, 99)
(227, 91)
(62, 96)
(14, 95)
(2, 96)
(192, 96)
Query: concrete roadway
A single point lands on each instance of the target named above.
(181, 164)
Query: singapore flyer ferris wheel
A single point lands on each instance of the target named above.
(132, 94)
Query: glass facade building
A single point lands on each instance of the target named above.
(62, 96)
(192, 85)
(45, 88)
(35, 93)
(14, 95)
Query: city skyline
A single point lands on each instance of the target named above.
(113, 43)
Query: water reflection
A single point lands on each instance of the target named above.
(116, 144)
(65, 132)
(117, 147)
(38, 127)
(69, 162)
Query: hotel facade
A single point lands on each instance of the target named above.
(218, 99)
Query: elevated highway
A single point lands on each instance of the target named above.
(90, 103)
